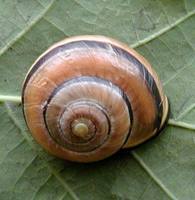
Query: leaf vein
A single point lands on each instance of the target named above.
(163, 30)
(152, 175)
(181, 124)
(25, 30)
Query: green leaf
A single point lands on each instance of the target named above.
(161, 30)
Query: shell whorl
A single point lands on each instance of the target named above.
(95, 104)
(87, 97)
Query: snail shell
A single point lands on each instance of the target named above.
(87, 97)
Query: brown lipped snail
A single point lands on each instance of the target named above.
(87, 97)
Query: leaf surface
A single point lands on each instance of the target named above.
(164, 32)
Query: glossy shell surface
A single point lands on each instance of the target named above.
(99, 87)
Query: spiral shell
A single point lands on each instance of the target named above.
(87, 97)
